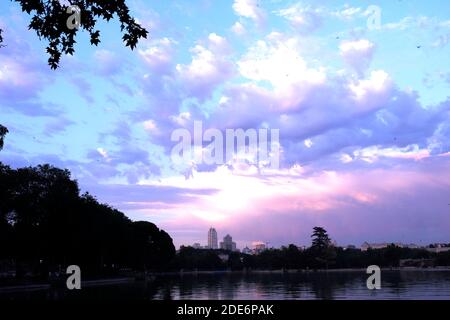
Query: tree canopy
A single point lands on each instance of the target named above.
(323, 251)
(320, 238)
(45, 223)
(49, 21)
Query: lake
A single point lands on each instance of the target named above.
(427, 284)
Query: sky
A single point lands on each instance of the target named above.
(361, 104)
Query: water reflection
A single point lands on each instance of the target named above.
(261, 286)
(333, 285)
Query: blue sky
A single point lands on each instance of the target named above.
(363, 115)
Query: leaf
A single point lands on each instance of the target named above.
(49, 21)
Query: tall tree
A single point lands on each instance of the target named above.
(320, 237)
(322, 250)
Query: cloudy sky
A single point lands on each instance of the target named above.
(362, 107)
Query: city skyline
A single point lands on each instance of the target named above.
(212, 239)
(259, 246)
(362, 108)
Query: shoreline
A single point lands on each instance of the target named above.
(84, 284)
(293, 271)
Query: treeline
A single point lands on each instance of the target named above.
(188, 258)
(45, 225)
(320, 255)
(292, 257)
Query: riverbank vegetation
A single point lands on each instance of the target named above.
(322, 254)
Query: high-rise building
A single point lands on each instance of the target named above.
(228, 243)
(212, 239)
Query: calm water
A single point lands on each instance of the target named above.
(333, 285)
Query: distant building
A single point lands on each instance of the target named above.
(259, 247)
(365, 246)
(228, 243)
(196, 246)
(247, 250)
(438, 248)
(212, 239)
(411, 246)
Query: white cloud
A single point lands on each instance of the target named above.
(104, 154)
(308, 143)
(209, 67)
(203, 65)
(362, 45)
(358, 54)
(348, 13)
(218, 44)
(182, 119)
(151, 126)
(378, 83)
(278, 61)
(303, 18)
(159, 54)
(249, 9)
(238, 28)
(403, 24)
(373, 153)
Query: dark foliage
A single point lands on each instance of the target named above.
(293, 258)
(443, 259)
(1, 39)
(46, 225)
(3, 132)
(49, 21)
(189, 258)
(320, 238)
(312, 258)
(321, 249)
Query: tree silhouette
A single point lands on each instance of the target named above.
(1, 39)
(320, 237)
(3, 132)
(49, 21)
(45, 223)
(151, 247)
(321, 249)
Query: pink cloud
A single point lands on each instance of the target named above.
(355, 205)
